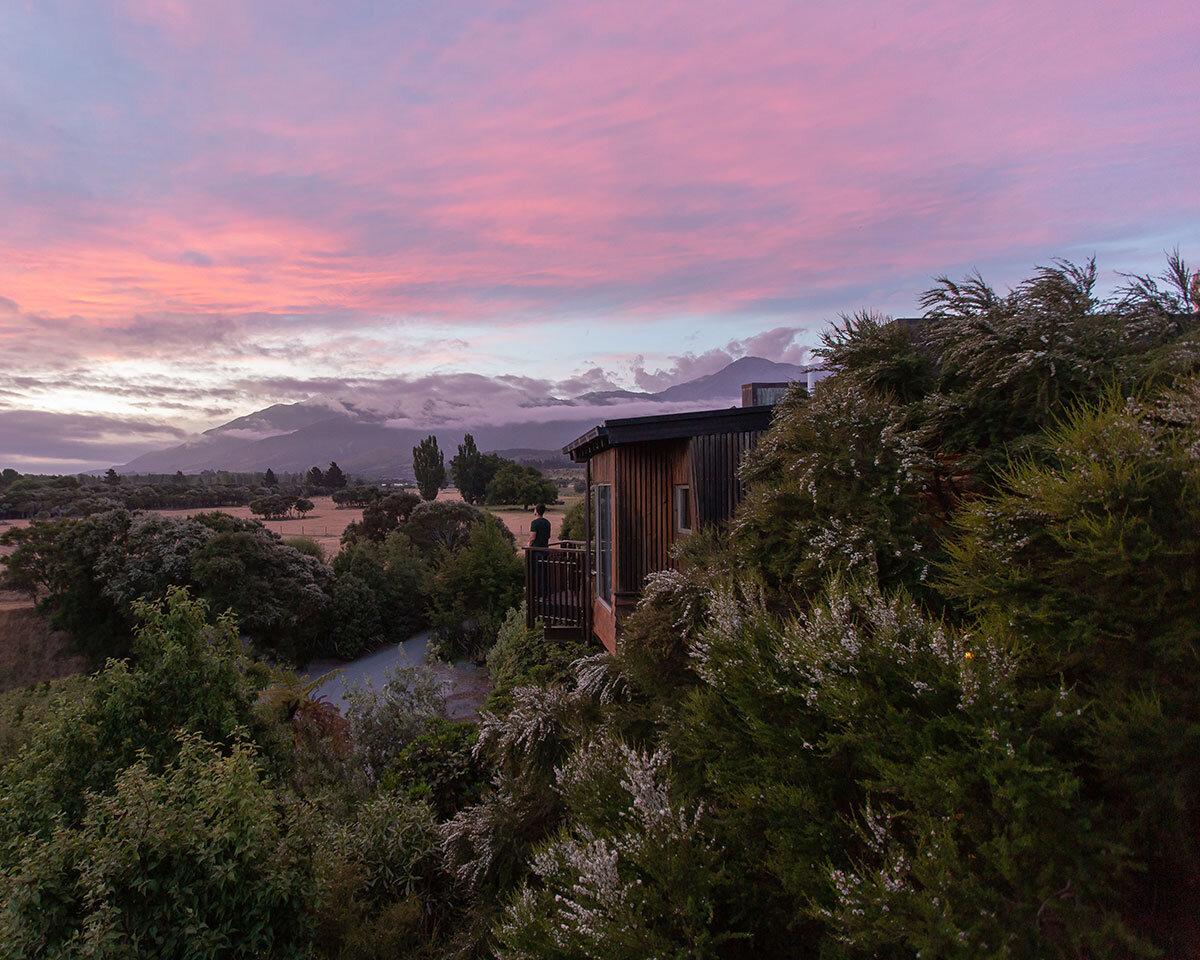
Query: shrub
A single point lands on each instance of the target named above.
(473, 589)
(890, 786)
(25, 709)
(1095, 558)
(384, 721)
(575, 525)
(188, 675)
(836, 484)
(307, 546)
(642, 884)
(177, 863)
(439, 766)
(375, 876)
(524, 657)
(356, 623)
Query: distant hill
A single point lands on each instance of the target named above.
(728, 382)
(295, 436)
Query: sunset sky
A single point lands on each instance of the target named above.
(207, 207)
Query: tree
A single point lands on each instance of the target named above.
(276, 506)
(472, 470)
(443, 524)
(111, 477)
(302, 506)
(315, 480)
(474, 588)
(334, 478)
(269, 479)
(429, 467)
(514, 483)
(8, 476)
(147, 781)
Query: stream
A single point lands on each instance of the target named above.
(464, 685)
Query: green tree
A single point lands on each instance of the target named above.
(429, 467)
(111, 477)
(314, 480)
(472, 471)
(514, 483)
(438, 525)
(206, 835)
(302, 506)
(145, 779)
(381, 517)
(334, 478)
(474, 588)
(276, 506)
(188, 675)
(269, 478)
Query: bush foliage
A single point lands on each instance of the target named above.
(929, 695)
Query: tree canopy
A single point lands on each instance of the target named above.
(429, 467)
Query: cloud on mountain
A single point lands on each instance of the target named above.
(34, 441)
(779, 344)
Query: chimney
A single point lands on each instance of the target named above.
(761, 394)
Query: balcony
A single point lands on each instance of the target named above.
(556, 590)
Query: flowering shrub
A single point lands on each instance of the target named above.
(890, 785)
(384, 721)
(642, 885)
(837, 484)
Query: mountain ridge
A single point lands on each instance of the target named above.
(372, 443)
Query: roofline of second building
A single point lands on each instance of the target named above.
(669, 426)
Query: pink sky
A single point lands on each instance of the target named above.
(214, 197)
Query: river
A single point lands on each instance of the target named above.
(464, 684)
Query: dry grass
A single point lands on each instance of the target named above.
(518, 520)
(325, 524)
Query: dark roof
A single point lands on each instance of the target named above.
(671, 426)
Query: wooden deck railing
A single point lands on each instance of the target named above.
(556, 590)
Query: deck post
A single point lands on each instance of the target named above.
(587, 550)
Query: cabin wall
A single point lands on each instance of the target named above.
(644, 511)
(643, 478)
(713, 463)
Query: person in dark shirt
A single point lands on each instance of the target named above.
(539, 540)
(539, 530)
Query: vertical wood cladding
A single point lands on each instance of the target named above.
(714, 462)
(644, 511)
(643, 477)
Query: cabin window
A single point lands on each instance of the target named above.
(604, 562)
(683, 508)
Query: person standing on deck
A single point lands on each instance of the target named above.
(539, 540)
(539, 530)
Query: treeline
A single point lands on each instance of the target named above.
(26, 496)
(929, 695)
(480, 477)
(490, 478)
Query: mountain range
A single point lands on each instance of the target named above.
(372, 439)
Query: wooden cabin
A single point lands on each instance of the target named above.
(650, 481)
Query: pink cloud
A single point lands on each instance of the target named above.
(680, 157)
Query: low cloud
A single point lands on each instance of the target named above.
(84, 441)
(778, 345)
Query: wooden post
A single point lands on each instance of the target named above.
(587, 550)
